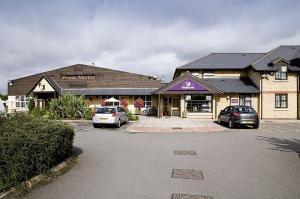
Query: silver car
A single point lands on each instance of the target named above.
(110, 115)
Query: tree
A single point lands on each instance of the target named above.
(139, 103)
(103, 102)
(3, 97)
(124, 103)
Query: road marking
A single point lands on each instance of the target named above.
(281, 128)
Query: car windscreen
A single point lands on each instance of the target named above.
(106, 110)
(245, 110)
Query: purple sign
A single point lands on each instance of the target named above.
(187, 85)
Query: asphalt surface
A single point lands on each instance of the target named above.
(238, 163)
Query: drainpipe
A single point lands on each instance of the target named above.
(261, 97)
(158, 109)
(298, 111)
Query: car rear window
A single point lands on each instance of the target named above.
(106, 110)
(245, 110)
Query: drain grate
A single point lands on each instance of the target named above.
(187, 196)
(185, 153)
(187, 174)
(177, 128)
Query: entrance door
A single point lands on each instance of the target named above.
(175, 108)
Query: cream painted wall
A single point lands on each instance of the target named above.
(39, 87)
(269, 110)
(270, 87)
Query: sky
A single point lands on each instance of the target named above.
(142, 36)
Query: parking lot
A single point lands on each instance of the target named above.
(232, 163)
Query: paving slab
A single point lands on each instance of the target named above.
(174, 124)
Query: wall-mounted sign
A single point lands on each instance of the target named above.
(188, 85)
(234, 101)
(78, 77)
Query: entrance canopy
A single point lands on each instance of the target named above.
(188, 84)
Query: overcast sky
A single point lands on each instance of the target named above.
(148, 37)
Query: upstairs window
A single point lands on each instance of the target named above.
(281, 74)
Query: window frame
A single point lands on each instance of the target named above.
(281, 101)
(243, 97)
(198, 103)
(280, 75)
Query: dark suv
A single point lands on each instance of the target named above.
(239, 115)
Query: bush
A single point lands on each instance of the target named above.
(69, 106)
(30, 146)
(88, 114)
(31, 104)
(132, 117)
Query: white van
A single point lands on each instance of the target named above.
(2, 107)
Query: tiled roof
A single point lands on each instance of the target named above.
(223, 61)
(234, 85)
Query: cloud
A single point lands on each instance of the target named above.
(137, 36)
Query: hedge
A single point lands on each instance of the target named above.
(30, 146)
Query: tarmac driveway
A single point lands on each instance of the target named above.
(228, 164)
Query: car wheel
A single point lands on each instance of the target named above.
(230, 124)
(95, 125)
(119, 123)
(255, 126)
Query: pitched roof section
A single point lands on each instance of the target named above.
(84, 76)
(188, 83)
(287, 53)
(223, 61)
(234, 85)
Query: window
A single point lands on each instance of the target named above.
(146, 99)
(208, 73)
(245, 100)
(281, 101)
(281, 75)
(199, 104)
(22, 101)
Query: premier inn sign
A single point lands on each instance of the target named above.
(187, 85)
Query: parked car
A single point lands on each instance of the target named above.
(110, 115)
(239, 115)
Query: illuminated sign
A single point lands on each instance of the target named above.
(188, 85)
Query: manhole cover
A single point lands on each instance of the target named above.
(185, 153)
(187, 174)
(187, 196)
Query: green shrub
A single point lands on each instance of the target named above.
(88, 114)
(69, 106)
(132, 117)
(29, 146)
(31, 104)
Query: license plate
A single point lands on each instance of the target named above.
(103, 118)
(248, 122)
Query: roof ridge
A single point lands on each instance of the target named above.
(271, 51)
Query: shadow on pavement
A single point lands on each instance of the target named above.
(239, 127)
(285, 145)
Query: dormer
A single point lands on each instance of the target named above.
(279, 62)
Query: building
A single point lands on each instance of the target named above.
(269, 82)
(95, 83)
